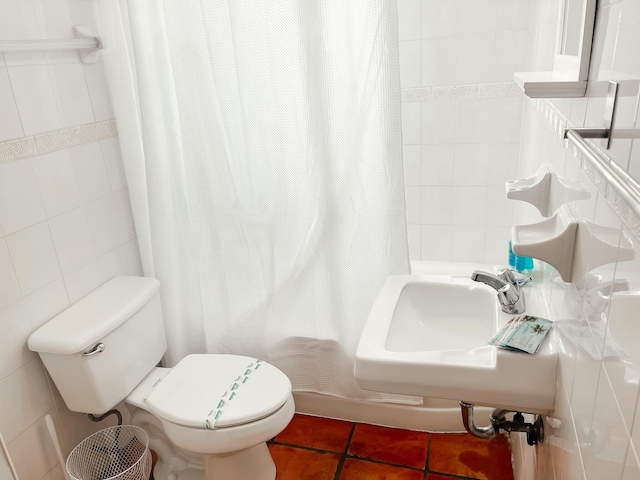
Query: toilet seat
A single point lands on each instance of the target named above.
(217, 391)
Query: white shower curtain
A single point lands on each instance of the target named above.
(262, 146)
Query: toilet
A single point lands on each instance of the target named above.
(209, 417)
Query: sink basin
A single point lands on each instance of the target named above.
(427, 335)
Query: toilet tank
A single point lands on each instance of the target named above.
(101, 347)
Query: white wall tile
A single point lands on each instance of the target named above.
(34, 257)
(57, 182)
(476, 58)
(409, 20)
(134, 258)
(9, 289)
(410, 65)
(513, 15)
(473, 120)
(439, 19)
(44, 304)
(84, 13)
(503, 163)
(606, 460)
(100, 98)
(83, 281)
(471, 164)
(18, 21)
(72, 240)
(439, 61)
(496, 245)
(500, 210)
(24, 398)
(436, 205)
(438, 121)
(114, 263)
(632, 465)
(585, 382)
(469, 206)
(35, 98)
(412, 203)
(438, 162)
(91, 172)
(41, 93)
(20, 203)
(477, 16)
(468, 243)
(72, 94)
(104, 224)
(411, 164)
(16, 328)
(55, 473)
(436, 242)
(510, 54)
(413, 239)
(33, 453)
(10, 126)
(54, 18)
(506, 119)
(115, 167)
(411, 123)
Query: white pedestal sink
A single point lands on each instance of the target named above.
(427, 335)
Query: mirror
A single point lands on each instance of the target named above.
(568, 79)
(571, 26)
(575, 33)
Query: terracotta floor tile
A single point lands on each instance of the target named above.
(296, 463)
(465, 455)
(391, 445)
(435, 476)
(316, 432)
(353, 469)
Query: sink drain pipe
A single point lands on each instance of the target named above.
(498, 420)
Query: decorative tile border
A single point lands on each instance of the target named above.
(22, 147)
(57, 140)
(557, 122)
(477, 90)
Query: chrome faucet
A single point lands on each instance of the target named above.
(510, 294)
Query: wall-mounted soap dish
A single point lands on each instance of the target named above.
(573, 247)
(551, 241)
(546, 191)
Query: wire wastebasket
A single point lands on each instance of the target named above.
(115, 453)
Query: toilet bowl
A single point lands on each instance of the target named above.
(209, 417)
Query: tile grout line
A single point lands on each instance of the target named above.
(426, 461)
(343, 457)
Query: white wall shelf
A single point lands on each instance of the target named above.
(550, 85)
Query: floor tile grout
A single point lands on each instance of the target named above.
(344, 453)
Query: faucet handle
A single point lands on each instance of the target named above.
(508, 276)
(508, 295)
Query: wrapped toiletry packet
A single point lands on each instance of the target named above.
(524, 333)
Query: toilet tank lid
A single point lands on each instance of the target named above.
(94, 316)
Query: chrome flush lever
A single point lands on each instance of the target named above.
(97, 349)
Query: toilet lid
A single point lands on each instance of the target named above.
(214, 391)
